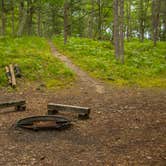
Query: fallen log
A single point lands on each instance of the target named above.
(17, 71)
(83, 112)
(8, 75)
(13, 78)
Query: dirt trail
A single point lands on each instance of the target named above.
(83, 76)
(126, 127)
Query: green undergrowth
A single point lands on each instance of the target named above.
(37, 64)
(144, 64)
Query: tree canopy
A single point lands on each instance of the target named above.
(97, 19)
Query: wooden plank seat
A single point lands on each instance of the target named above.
(20, 105)
(83, 112)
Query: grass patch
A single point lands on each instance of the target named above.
(33, 56)
(144, 64)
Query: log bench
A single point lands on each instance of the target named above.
(20, 105)
(83, 112)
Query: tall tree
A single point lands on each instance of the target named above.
(39, 32)
(163, 20)
(91, 24)
(30, 11)
(13, 19)
(3, 17)
(116, 28)
(22, 18)
(119, 29)
(66, 12)
(128, 19)
(99, 3)
(142, 20)
(156, 4)
(121, 39)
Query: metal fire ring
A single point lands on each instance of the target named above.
(43, 122)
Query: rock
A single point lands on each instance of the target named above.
(149, 157)
(42, 158)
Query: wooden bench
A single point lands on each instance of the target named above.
(83, 112)
(20, 105)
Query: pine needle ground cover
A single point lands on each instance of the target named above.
(145, 65)
(37, 64)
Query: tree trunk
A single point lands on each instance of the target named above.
(121, 40)
(163, 9)
(53, 20)
(21, 10)
(30, 16)
(22, 19)
(3, 17)
(119, 29)
(128, 20)
(70, 28)
(153, 21)
(99, 20)
(156, 4)
(39, 21)
(91, 20)
(13, 27)
(116, 29)
(66, 6)
(142, 21)
(164, 29)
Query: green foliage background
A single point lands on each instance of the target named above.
(144, 66)
(33, 56)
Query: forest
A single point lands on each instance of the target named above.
(103, 57)
(96, 19)
(134, 32)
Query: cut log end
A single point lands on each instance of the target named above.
(8, 75)
(13, 78)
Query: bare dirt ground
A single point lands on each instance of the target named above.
(127, 126)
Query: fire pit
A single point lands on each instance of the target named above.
(43, 122)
